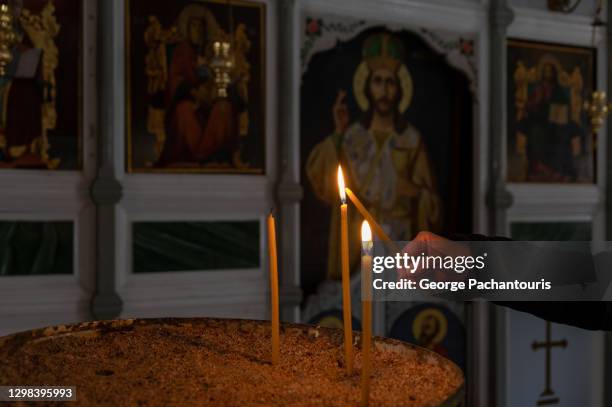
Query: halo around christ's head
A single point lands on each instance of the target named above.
(426, 316)
(382, 51)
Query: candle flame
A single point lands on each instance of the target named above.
(366, 232)
(341, 185)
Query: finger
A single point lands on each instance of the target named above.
(404, 273)
(428, 236)
(421, 245)
(433, 244)
(413, 248)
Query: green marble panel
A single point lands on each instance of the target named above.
(195, 246)
(36, 248)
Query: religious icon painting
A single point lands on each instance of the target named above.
(434, 327)
(394, 107)
(39, 92)
(549, 137)
(196, 86)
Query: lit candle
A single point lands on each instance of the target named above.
(366, 304)
(364, 212)
(274, 315)
(346, 286)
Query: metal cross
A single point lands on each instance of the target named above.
(548, 395)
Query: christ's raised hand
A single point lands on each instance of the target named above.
(340, 113)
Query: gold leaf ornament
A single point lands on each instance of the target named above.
(407, 89)
(359, 83)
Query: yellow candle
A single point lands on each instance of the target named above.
(274, 315)
(373, 224)
(346, 286)
(366, 310)
(367, 216)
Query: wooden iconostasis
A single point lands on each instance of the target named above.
(117, 154)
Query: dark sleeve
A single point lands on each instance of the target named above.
(592, 315)
(471, 237)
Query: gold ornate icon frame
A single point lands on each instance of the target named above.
(155, 117)
(42, 29)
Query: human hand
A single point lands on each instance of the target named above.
(420, 244)
(429, 244)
